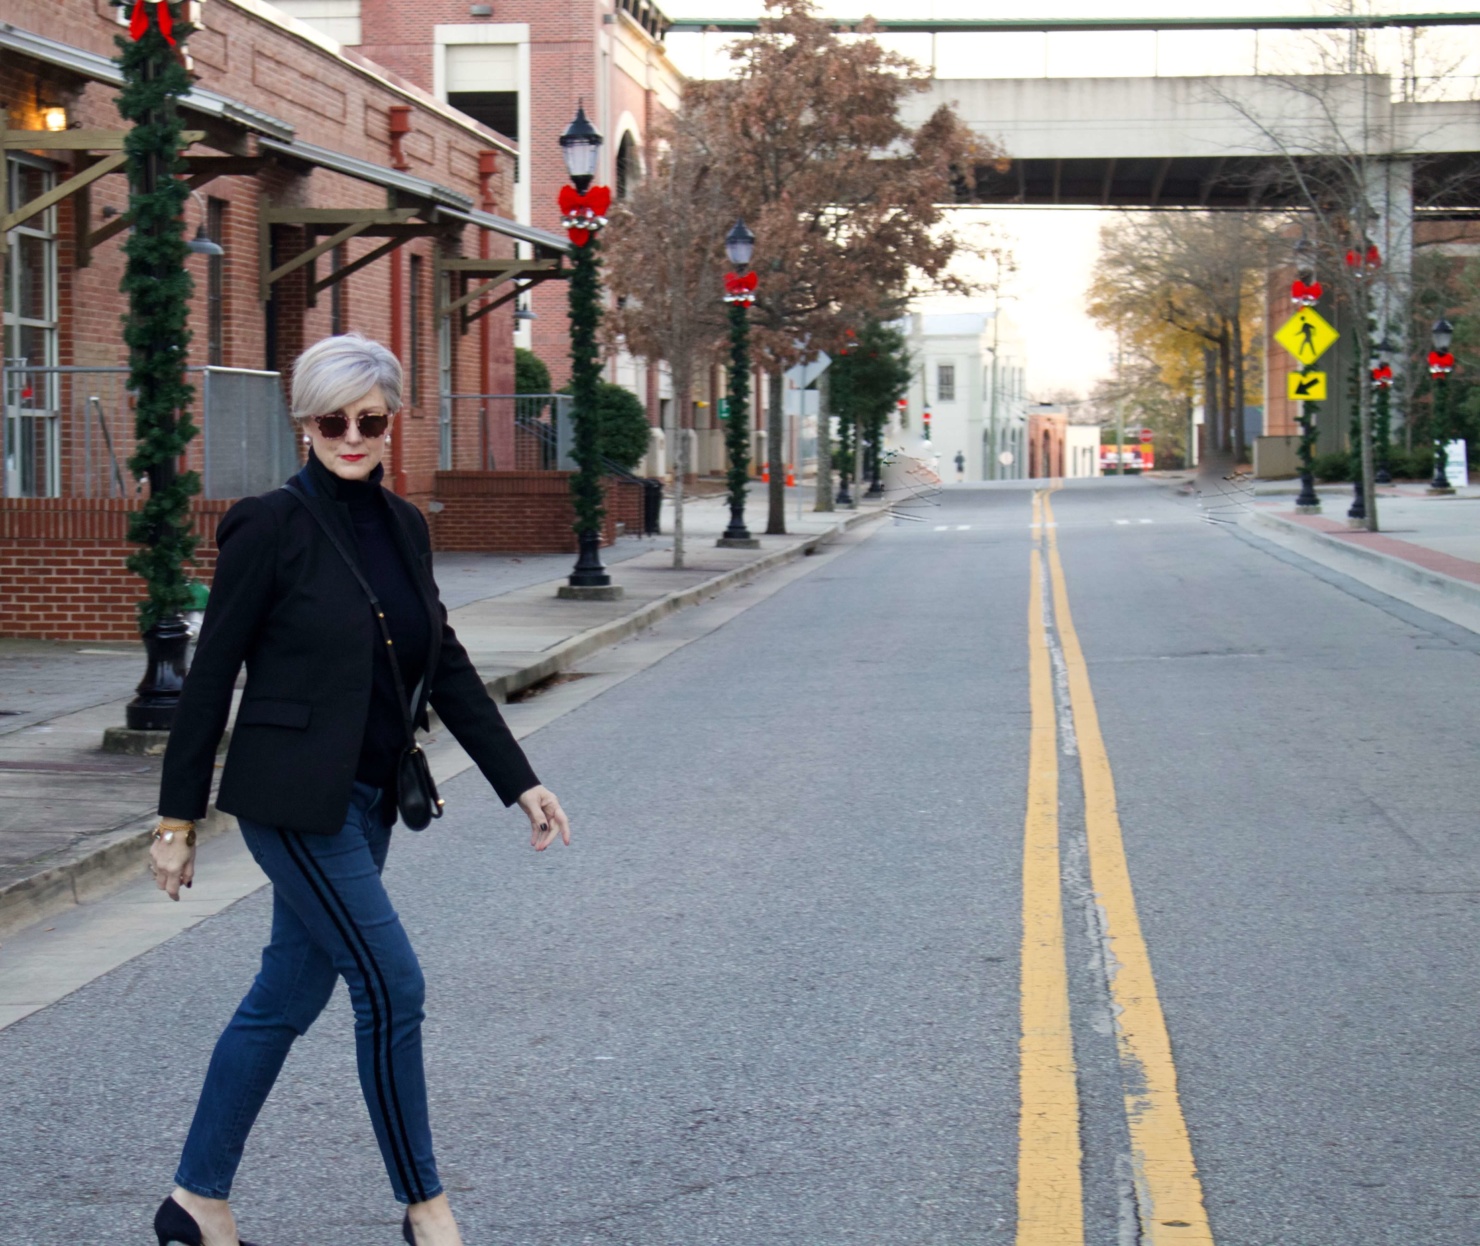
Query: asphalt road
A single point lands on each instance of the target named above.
(772, 993)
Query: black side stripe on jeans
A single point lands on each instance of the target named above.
(359, 949)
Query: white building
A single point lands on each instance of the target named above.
(1082, 450)
(970, 374)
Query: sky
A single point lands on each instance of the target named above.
(1055, 249)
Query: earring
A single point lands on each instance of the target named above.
(307, 440)
(387, 441)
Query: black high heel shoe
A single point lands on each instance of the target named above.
(406, 1230)
(174, 1226)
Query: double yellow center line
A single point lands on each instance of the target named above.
(1050, 1186)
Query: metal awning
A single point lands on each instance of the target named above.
(366, 171)
(98, 68)
(542, 240)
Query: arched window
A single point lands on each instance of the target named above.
(629, 170)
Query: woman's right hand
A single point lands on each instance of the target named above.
(172, 864)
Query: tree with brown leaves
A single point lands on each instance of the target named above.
(846, 201)
(665, 264)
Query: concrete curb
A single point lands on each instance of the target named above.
(103, 867)
(92, 873)
(566, 654)
(1461, 590)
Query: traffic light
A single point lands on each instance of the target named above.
(925, 419)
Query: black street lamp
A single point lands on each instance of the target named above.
(740, 286)
(1382, 385)
(1441, 364)
(583, 209)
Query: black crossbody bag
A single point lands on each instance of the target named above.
(416, 793)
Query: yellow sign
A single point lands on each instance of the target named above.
(1306, 335)
(1309, 386)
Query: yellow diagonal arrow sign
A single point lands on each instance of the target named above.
(1306, 335)
(1307, 386)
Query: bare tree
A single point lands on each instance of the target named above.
(846, 201)
(665, 266)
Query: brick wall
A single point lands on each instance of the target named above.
(62, 565)
(331, 101)
(522, 512)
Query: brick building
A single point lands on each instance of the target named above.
(521, 66)
(343, 197)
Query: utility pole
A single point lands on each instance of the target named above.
(1119, 406)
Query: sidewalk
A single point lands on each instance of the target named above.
(74, 821)
(1429, 542)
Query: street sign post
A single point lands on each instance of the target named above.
(1306, 386)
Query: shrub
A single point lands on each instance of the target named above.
(624, 429)
(530, 374)
(1415, 464)
(1332, 469)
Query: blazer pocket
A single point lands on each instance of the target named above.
(266, 713)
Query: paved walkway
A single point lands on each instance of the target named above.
(72, 818)
(1429, 542)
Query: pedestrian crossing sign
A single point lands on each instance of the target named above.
(1306, 335)
(1306, 386)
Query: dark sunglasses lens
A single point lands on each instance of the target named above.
(373, 425)
(333, 426)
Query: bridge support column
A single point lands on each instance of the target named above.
(1389, 191)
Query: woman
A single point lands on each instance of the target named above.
(311, 775)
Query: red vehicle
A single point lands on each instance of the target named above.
(1137, 456)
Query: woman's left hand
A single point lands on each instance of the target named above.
(546, 818)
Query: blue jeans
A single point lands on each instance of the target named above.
(331, 918)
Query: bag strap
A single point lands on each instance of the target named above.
(385, 631)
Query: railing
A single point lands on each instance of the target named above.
(69, 431)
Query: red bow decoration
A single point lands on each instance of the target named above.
(1440, 363)
(1355, 258)
(1305, 295)
(583, 214)
(1382, 376)
(740, 289)
(138, 22)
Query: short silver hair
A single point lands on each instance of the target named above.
(337, 371)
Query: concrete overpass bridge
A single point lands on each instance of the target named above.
(1166, 141)
(1218, 142)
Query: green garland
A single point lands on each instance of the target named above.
(1306, 448)
(737, 427)
(1382, 434)
(585, 384)
(158, 289)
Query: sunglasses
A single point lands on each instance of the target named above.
(371, 424)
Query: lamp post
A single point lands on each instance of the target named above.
(1441, 364)
(583, 209)
(740, 286)
(1382, 386)
(153, 64)
(1306, 292)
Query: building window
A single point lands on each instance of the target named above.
(30, 403)
(629, 169)
(336, 292)
(413, 311)
(216, 285)
(945, 382)
(483, 81)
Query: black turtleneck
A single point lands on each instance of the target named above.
(405, 615)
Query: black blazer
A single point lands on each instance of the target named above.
(284, 602)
